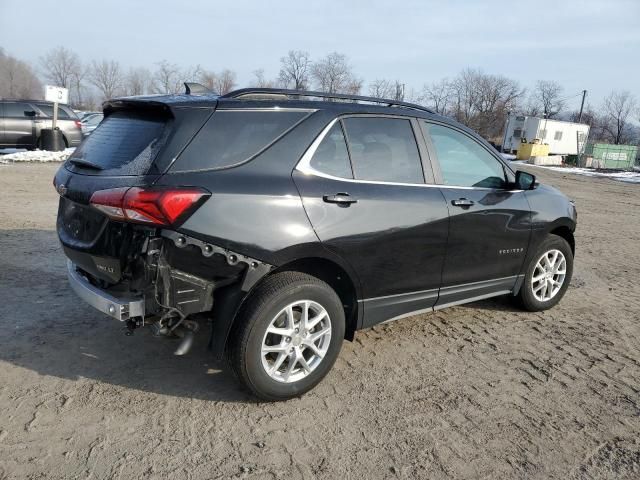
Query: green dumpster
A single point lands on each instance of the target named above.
(620, 157)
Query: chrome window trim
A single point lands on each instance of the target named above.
(304, 166)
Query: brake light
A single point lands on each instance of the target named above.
(157, 206)
(78, 124)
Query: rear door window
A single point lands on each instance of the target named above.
(383, 149)
(17, 109)
(332, 156)
(125, 143)
(47, 109)
(230, 138)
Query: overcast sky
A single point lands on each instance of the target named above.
(582, 44)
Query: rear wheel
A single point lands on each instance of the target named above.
(287, 336)
(548, 275)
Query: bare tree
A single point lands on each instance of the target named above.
(225, 82)
(617, 108)
(192, 74)
(59, 65)
(333, 74)
(138, 81)
(546, 99)
(209, 79)
(81, 95)
(63, 68)
(107, 77)
(17, 78)
(353, 86)
(167, 78)
(481, 101)
(382, 88)
(260, 81)
(411, 95)
(294, 70)
(437, 96)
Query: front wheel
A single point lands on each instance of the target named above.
(287, 336)
(548, 275)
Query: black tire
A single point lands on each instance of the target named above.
(245, 340)
(526, 298)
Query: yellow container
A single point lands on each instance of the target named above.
(528, 150)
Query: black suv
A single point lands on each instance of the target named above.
(21, 122)
(291, 219)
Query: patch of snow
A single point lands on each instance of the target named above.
(630, 177)
(37, 156)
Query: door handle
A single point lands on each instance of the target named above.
(340, 198)
(463, 202)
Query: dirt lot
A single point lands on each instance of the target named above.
(480, 391)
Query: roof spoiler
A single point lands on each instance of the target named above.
(192, 88)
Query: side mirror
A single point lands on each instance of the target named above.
(29, 113)
(525, 181)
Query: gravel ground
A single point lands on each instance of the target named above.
(479, 391)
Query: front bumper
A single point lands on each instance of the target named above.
(120, 308)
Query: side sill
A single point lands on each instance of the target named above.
(472, 299)
(440, 307)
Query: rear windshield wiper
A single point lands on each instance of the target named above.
(81, 162)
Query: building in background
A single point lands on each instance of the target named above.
(563, 138)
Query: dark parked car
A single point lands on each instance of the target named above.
(22, 120)
(289, 223)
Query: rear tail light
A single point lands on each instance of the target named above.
(157, 206)
(78, 124)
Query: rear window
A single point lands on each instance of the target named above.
(233, 137)
(124, 143)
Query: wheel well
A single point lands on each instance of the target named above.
(337, 278)
(567, 234)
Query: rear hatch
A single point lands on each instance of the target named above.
(132, 147)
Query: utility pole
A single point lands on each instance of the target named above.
(584, 95)
(584, 141)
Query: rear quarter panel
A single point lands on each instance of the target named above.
(255, 208)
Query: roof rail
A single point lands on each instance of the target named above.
(266, 93)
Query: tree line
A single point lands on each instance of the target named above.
(477, 99)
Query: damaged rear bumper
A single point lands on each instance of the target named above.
(121, 308)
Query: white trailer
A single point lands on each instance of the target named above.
(562, 137)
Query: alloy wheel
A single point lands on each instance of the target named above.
(548, 275)
(296, 341)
